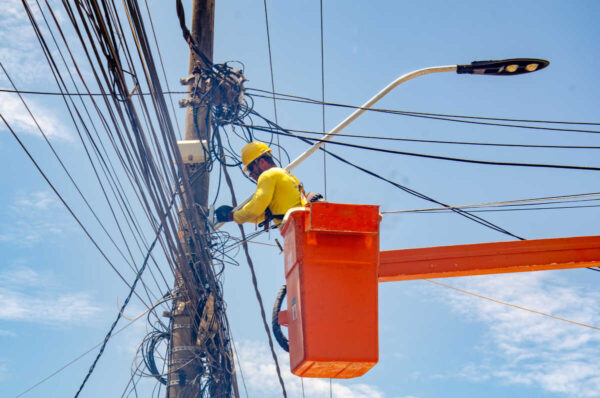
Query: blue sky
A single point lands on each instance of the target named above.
(58, 296)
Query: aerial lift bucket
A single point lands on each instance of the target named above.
(331, 270)
(333, 266)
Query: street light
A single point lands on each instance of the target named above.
(505, 67)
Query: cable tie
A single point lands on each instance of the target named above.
(185, 348)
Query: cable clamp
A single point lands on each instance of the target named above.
(182, 326)
(195, 102)
(176, 382)
(185, 348)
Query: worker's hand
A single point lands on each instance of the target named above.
(224, 213)
(314, 197)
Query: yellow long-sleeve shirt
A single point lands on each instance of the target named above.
(276, 189)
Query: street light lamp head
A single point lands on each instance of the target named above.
(504, 67)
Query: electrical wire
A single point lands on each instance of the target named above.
(438, 157)
(137, 122)
(271, 69)
(255, 285)
(512, 305)
(410, 191)
(132, 110)
(322, 100)
(162, 65)
(73, 361)
(120, 314)
(294, 98)
(78, 94)
(371, 137)
(518, 209)
(544, 200)
(67, 206)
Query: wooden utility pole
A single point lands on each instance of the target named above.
(184, 367)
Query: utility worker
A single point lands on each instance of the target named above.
(277, 190)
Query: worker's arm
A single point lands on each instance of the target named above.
(254, 210)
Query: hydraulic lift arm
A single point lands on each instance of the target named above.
(489, 258)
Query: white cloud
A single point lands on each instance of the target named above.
(21, 276)
(531, 349)
(260, 376)
(40, 200)
(33, 217)
(27, 233)
(27, 296)
(21, 121)
(74, 307)
(24, 61)
(19, 50)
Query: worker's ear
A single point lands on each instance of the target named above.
(261, 163)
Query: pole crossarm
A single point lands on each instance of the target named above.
(489, 258)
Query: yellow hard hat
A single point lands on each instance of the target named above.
(252, 151)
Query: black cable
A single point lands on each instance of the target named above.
(468, 215)
(421, 155)
(163, 69)
(120, 314)
(255, 283)
(501, 210)
(410, 191)
(142, 153)
(187, 35)
(320, 133)
(300, 99)
(59, 80)
(296, 98)
(67, 206)
(78, 94)
(322, 99)
(270, 60)
(275, 326)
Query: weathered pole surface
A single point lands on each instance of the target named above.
(183, 369)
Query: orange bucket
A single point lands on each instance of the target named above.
(331, 266)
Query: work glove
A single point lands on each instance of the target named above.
(314, 197)
(224, 213)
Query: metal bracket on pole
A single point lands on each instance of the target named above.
(182, 326)
(211, 215)
(186, 81)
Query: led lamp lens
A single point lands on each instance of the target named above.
(531, 67)
(512, 68)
